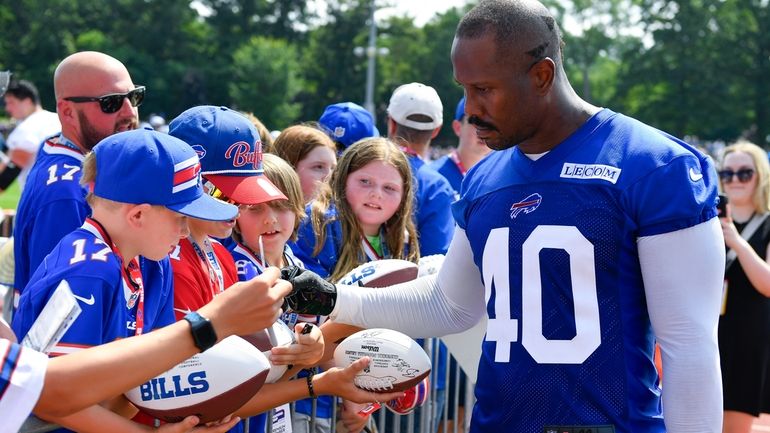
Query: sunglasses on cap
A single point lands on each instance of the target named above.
(111, 103)
(744, 175)
(215, 192)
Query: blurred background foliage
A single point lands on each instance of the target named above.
(698, 68)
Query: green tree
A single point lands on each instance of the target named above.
(156, 39)
(423, 55)
(705, 73)
(235, 21)
(333, 73)
(266, 80)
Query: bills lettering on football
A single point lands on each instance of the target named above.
(381, 273)
(210, 385)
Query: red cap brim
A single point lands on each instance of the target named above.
(247, 189)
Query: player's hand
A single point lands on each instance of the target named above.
(351, 419)
(189, 425)
(306, 352)
(310, 293)
(339, 382)
(248, 306)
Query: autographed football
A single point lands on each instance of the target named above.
(397, 362)
(278, 335)
(381, 273)
(210, 385)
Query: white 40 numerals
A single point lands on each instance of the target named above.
(504, 329)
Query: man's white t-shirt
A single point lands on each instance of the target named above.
(28, 135)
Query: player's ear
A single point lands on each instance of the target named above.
(543, 74)
(136, 214)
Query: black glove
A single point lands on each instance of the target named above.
(310, 293)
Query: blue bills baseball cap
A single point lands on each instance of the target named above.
(145, 166)
(230, 152)
(346, 123)
(460, 110)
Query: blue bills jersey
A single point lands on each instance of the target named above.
(322, 264)
(451, 172)
(432, 214)
(52, 205)
(93, 271)
(569, 340)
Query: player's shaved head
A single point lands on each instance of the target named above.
(88, 73)
(520, 27)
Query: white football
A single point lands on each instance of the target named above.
(381, 273)
(397, 362)
(210, 385)
(279, 335)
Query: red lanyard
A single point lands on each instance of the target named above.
(456, 159)
(131, 275)
(216, 277)
(410, 152)
(371, 253)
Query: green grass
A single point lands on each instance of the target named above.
(9, 198)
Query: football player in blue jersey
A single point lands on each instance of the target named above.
(95, 98)
(585, 237)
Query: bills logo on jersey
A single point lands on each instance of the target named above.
(527, 205)
(200, 150)
(186, 174)
(240, 154)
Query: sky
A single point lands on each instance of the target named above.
(421, 10)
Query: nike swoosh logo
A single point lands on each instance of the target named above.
(695, 176)
(89, 301)
(183, 311)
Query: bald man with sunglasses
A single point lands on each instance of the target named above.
(95, 98)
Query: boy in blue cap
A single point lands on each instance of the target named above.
(142, 187)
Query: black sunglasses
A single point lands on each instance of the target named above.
(111, 103)
(744, 175)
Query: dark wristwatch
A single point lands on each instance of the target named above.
(202, 331)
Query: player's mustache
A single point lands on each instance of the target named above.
(475, 121)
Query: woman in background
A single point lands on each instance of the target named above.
(744, 327)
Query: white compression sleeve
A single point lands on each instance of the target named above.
(683, 273)
(446, 303)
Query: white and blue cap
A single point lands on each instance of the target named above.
(145, 166)
(410, 101)
(230, 151)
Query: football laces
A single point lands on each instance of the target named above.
(374, 383)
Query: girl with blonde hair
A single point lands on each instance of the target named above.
(365, 215)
